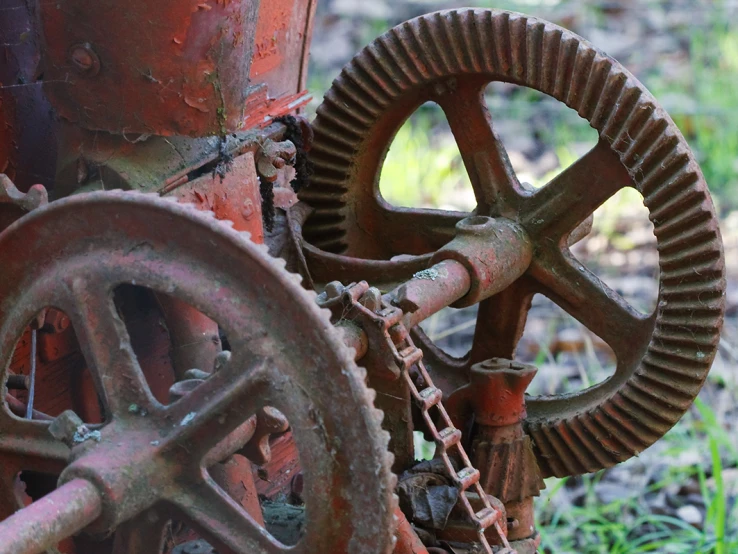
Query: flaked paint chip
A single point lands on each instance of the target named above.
(186, 420)
(197, 103)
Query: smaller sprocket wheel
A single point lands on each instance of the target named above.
(449, 57)
(73, 254)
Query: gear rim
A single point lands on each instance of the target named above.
(105, 209)
(384, 83)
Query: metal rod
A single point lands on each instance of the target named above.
(425, 294)
(18, 408)
(32, 377)
(56, 516)
(17, 382)
(430, 290)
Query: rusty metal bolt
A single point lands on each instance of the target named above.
(371, 299)
(222, 359)
(269, 421)
(404, 301)
(17, 382)
(64, 426)
(248, 209)
(84, 59)
(334, 289)
(55, 321)
(273, 157)
(71, 430)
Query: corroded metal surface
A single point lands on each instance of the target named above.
(449, 57)
(155, 453)
(495, 398)
(37, 528)
(27, 121)
(175, 67)
(168, 67)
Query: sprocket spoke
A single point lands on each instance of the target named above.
(594, 304)
(219, 405)
(106, 346)
(501, 322)
(30, 446)
(8, 502)
(495, 184)
(223, 522)
(573, 195)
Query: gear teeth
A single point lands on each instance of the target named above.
(409, 60)
(509, 470)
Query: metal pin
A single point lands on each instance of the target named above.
(32, 377)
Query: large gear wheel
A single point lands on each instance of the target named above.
(449, 57)
(149, 461)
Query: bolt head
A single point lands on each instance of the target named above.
(64, 427)
(248, 209)
(84, 59)
(334, 289)
(371, 299)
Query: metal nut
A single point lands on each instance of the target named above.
(65, 426)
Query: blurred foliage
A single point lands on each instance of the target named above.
(423, 167)
(628, 525)
(709, 118)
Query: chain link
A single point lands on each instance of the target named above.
(448, 437)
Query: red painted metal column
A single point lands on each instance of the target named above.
(170, 67)
(58, 515)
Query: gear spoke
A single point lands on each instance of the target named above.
(219, 405)
(501, 322)
(106, 346)
(223, 522)
(324, 266)
(8, 502)
(586, 297)
(143, 534)
(565, 202)
(31, 447)
(431, 229)
(495, 184)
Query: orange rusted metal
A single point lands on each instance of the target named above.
(408, 541)
(173, 67)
